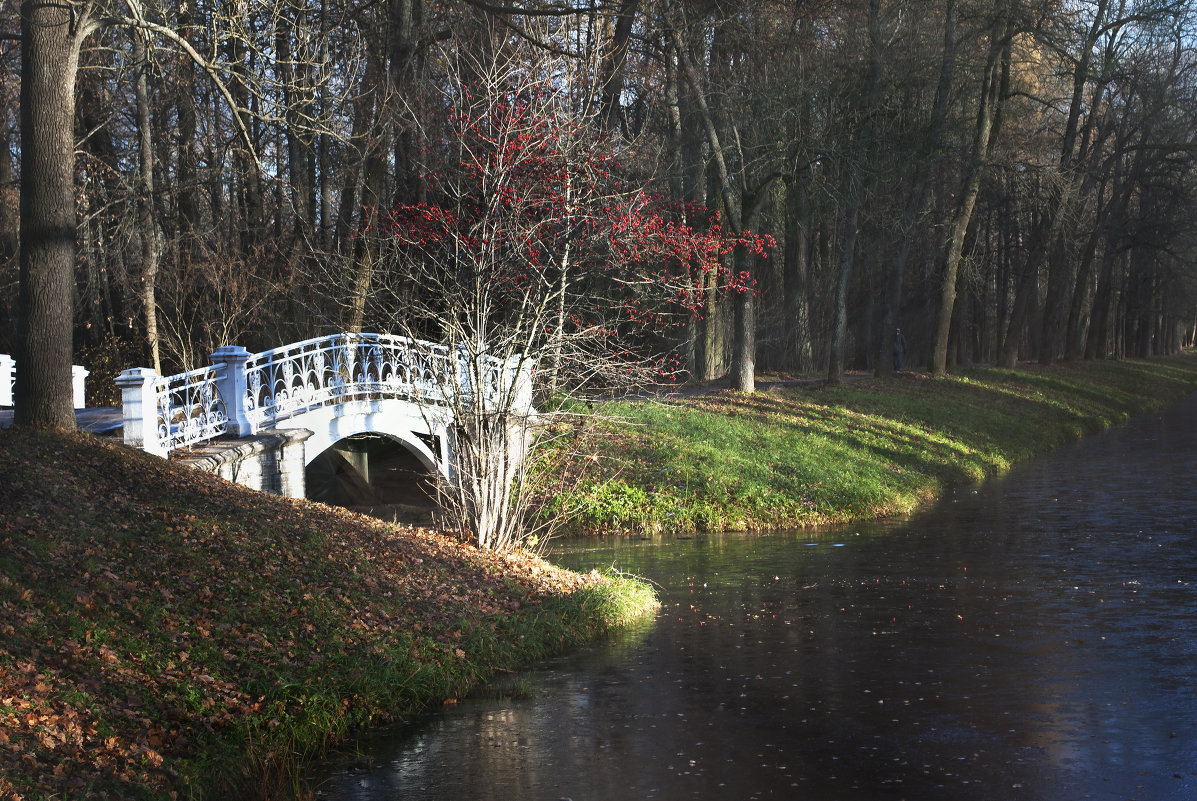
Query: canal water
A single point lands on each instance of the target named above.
(1031, 638)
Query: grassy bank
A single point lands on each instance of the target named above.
(165, 633)
(871, 448)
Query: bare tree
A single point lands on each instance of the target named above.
(52, 39)
(989, 104)
(534, 254)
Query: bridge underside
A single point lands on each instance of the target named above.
(398, 420)
(377, 456)
(380, 457)
(375, 475)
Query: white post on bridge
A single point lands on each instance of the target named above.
(140, 401)
(233, 388)
(8, 374)
(79, 376)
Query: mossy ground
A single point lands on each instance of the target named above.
(802, 456)
(165, 633)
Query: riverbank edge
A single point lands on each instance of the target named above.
(803, 454)
(166, 634)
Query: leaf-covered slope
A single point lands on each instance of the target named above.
(151, 615)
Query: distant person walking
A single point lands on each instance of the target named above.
(899, 349)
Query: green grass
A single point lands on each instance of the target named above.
(870, 448)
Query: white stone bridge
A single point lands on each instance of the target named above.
(291, 404)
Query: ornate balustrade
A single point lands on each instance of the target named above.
(320, 372)
(8, 380)
(243, 393)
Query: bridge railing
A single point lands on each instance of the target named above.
(329, 370)
(8, 380)
(243, 393)
(162, 413)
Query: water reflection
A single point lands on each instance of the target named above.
(1029, 639)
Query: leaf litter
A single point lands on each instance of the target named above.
(145, 606)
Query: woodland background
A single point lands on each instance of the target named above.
(1002, 180)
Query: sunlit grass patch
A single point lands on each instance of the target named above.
(869, 448)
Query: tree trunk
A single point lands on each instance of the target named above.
(745, 382)
(321, 164)
(186, 180)
(919, 197)
(744, 320)
(49, 62)
(1097, 342)
(146, 219)
(611, 79)
(300, 168)
(355, 156)
(365, 246)
(1082, 296)
(252, 200)
(864, 138)
(695, 325)
(711, 359)
(796, 277)
(744, 344)
(406, 22)
(1023, 297)
(987, 113)
(556, 347)
(839, 329)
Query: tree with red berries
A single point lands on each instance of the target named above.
(536, 249)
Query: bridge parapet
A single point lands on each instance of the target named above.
(244, 393)
(325, 371)
(162, 413)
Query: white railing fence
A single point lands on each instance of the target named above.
(243, 393)
(328, 370)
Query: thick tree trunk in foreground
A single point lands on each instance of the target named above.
(49, 59)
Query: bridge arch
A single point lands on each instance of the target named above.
(375, 474)
(396, 419)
